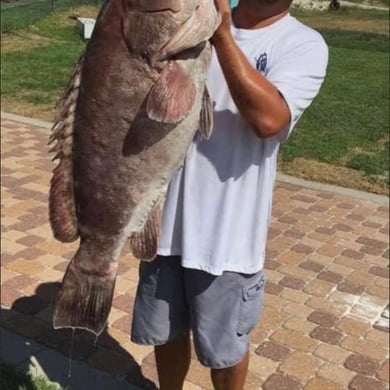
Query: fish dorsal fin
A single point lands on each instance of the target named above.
(144, 244)
(173, 95)
(206, 115)
(62, 209)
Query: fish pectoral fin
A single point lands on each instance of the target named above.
(144, 244)
(173, 96)
(206, 115)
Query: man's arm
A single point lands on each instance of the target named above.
(258, 101)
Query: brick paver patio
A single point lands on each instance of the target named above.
(324, 323)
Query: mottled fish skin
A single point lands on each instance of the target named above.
(140, 100)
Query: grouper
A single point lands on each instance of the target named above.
(132, 106)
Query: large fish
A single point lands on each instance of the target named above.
(131, 108)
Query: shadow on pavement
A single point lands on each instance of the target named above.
(30, 317)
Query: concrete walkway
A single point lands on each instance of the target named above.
(324, 324)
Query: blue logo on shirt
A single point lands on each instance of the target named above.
(261, 63)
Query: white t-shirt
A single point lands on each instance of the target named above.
(218, 206)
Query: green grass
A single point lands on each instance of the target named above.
(12, 379)
(40, 73)
(21, 14)
(348, 123)
(368, 42)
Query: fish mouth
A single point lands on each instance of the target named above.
(160, 11)
(157, 6)
(197, 28)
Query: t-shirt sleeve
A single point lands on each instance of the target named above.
(298, 74)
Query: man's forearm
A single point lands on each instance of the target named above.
(258, 101)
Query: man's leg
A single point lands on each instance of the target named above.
(173, 361)
(161, 318)
(231, 378)
(224, 309)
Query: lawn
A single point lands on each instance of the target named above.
(12, 379)
(343, 138)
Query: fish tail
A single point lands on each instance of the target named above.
(85, 298)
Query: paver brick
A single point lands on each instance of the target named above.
(330, 250)
(361, 382)
(18, 283)
(377, 337)
(331, 353)
(360, 278)
(123, 324)
(273, 351)
(273, 288)
(335, 373)
(326, 230)
(353, 254)
(311, 266)
(373, 243)
(275, 301)
(363, 347)
(353, 326)
(281, 382)
(350, 288)
(294, 340)
(330, 276)
(295, 295)
(294, 233)
(328, 305)
(293, 283)
(299, 324)
(371, 250)
(26, 267)
(382, 282)
(301, 248)
(124, 302)
(320, 259)
(295, 272)
(8, 297)
(355, 217)
(378, 291)
(319, 288)
(295, 300)
(383, 373)
(259, 334)
(383, 272)
(7, 274)
(323, 319)
(291, 258)
(362, 364)
(342, 227)
(326, 335)
(300, 365)
(322, 384)
(339, 269)
(271, 264)
(271, 318)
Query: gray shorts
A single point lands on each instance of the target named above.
(220, 310)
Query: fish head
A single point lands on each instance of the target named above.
(160, 29)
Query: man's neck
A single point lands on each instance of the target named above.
(250, 15)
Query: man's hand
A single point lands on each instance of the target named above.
(224, 28)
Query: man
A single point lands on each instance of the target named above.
(265, 70)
